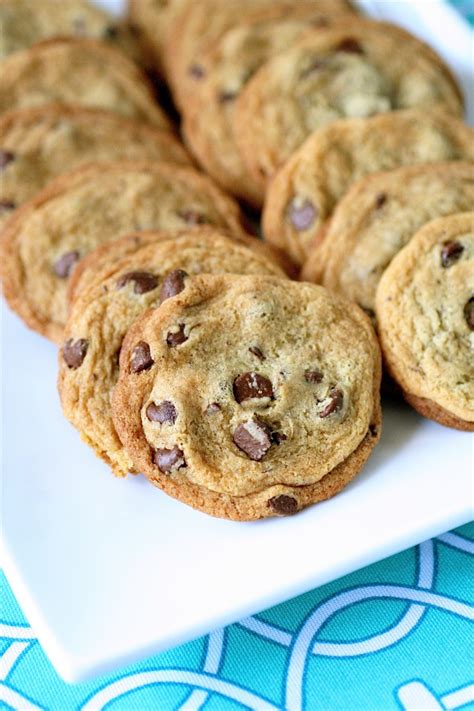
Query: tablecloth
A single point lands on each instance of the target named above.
(398, 634)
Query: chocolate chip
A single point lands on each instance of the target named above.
(380, 200)
(302, 216)
(196, 71)
(169, 460)
(142, 281)
(110, 33)
(175, 338)
(255, 350)
(350, 45)
(74, 352)
(163, 412)
(172, 284)
(313, 376)
(283, 505)
(213, 407)
(253, 438)
(141, 358)
(450, 253)
(6, 157)
(335, 403)
(6, 205)
(226, 96)
(193, 217)
(63, 266)
(278, 437)
(251, 385)
(469, 313)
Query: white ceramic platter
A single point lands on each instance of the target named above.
(108, 571)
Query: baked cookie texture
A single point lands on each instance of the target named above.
(152, 20)
(425, 317)
(304, 193)
(45, 238)
(200, 24)
(355, 70)
(40, 143)
(98, 264)
(248, 397)
(103, 313)
(81, 72)
(26, 22)
(376, 219)
(208, 113)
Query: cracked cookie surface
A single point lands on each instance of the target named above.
(102, 314)
(304, 193)
(425, 318)
(247, 397)
(78, 211)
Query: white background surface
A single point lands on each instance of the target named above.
(108, 570)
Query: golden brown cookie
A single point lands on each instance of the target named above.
(208, 112)
(355, 69)
(248, 397)
(78, 211)
(103, 313)
(81, 72)
(40, 143)
(26, 22)
(377, 217)
(304, 193)
(152, 20)
(425, 317)
(96, 266)
(199, 24)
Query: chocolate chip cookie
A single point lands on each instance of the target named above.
(304, 193)
(248, 397)
(355, 70)
(78, 211)
(377, 217)
(97, 265)
(425, 317)
(199, 24)
(26, 22)
(81, 72)
(152, 20)
(102, 314)
(208, 113)
(40, 143)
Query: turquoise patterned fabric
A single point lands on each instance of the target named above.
(398, 634)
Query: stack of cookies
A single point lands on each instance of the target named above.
(190, 351)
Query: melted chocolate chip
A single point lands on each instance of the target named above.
(350, 45)
(469, 313)
(162, 412)
(141, 358)
(313, 376)
(6, 157)
(172, 284)
(169, 460)
(193, 217)
(335, 403)
(196, 71)
(450, 253)
(213, 407)
(63, 266)
(255, 350)
(302, 216)
(175, 338)
(380, 200)
(74, 352)
(253, 438)
(251, 385)
(142, 281)
(283, 505)
(7, 205)
(226, 96)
